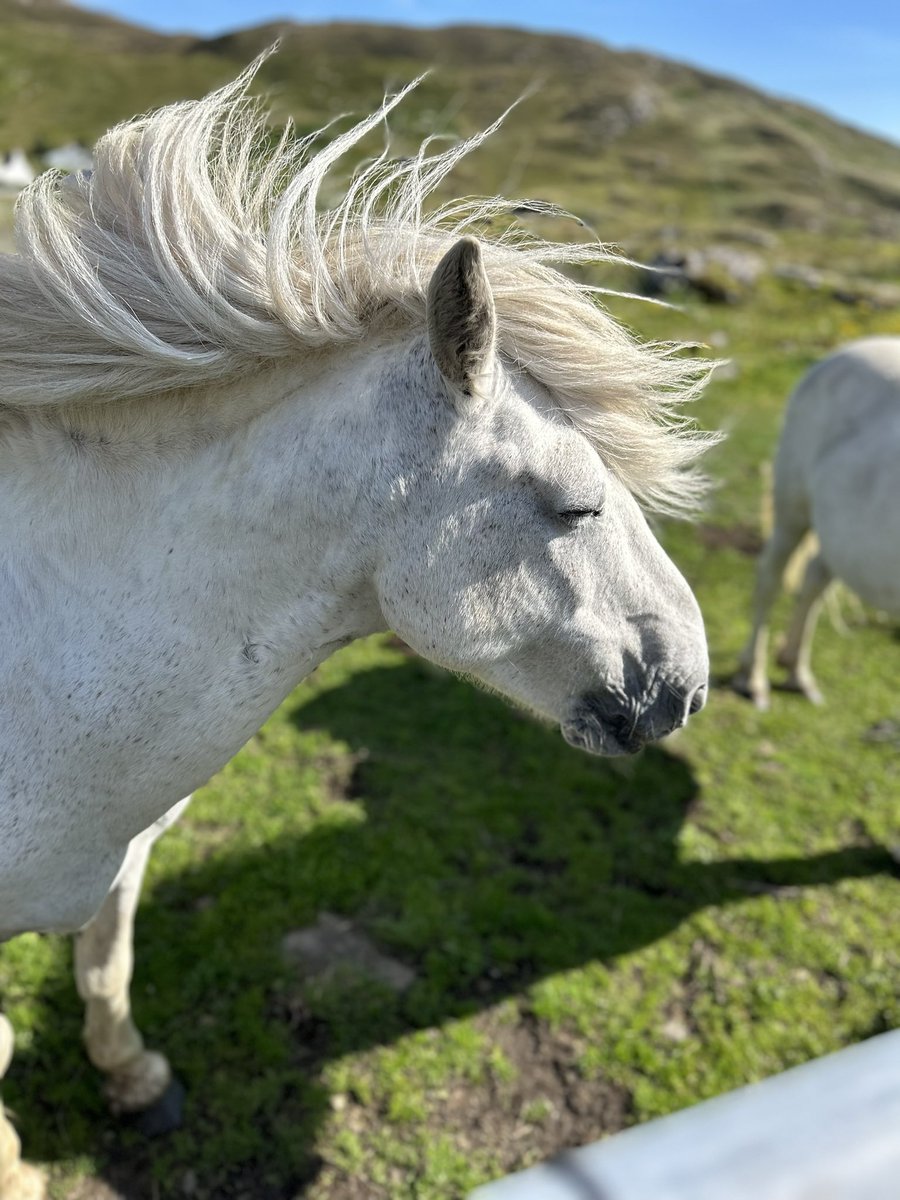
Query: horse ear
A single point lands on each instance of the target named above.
(461, 317)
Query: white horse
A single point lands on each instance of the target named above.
(237, 432)
(836, 474)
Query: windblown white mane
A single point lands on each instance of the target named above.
(196, 251)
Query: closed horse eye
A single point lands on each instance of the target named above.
(575, 516)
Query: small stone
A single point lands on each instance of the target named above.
(885, 731)
(676, 1028)
(726, 369)
(333, 943)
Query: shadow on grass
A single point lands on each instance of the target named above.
(491, 856)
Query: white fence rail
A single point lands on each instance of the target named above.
(829, 1130)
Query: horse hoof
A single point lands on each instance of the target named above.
(805, 687)
(164, 1115)
(741, 684)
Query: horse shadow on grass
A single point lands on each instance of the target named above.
(486, 855)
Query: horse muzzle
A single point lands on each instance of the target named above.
(601, 723)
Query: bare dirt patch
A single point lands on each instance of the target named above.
(546, 1106)
(532, 1102)
(746, 539)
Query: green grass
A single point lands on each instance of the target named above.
(664, 929)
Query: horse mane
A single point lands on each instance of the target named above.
(197, 251)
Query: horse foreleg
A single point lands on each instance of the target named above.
(103, 964)
(797, 649)
(18, 1180)
(138, 1080)
(752, 678)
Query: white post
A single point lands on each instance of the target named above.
(829, 1130)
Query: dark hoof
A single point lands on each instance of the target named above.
(165, 1115)
(740, 684)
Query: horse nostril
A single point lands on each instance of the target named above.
(698, 699)
(621, 727)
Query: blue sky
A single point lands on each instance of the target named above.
(842, 57)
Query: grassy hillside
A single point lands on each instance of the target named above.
(642, 148)
(593, 943)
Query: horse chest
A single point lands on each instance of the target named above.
(99, 736)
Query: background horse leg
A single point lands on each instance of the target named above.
(797, 649)
(18, 1180)
(138, 1080)
(752, 678)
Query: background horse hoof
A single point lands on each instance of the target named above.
(806, 687)
(24, 1182)
(164, 1115)
(757, 692)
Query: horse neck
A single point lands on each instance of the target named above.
(244, 540)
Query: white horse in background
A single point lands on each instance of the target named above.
(837, 474)
(236, 433)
